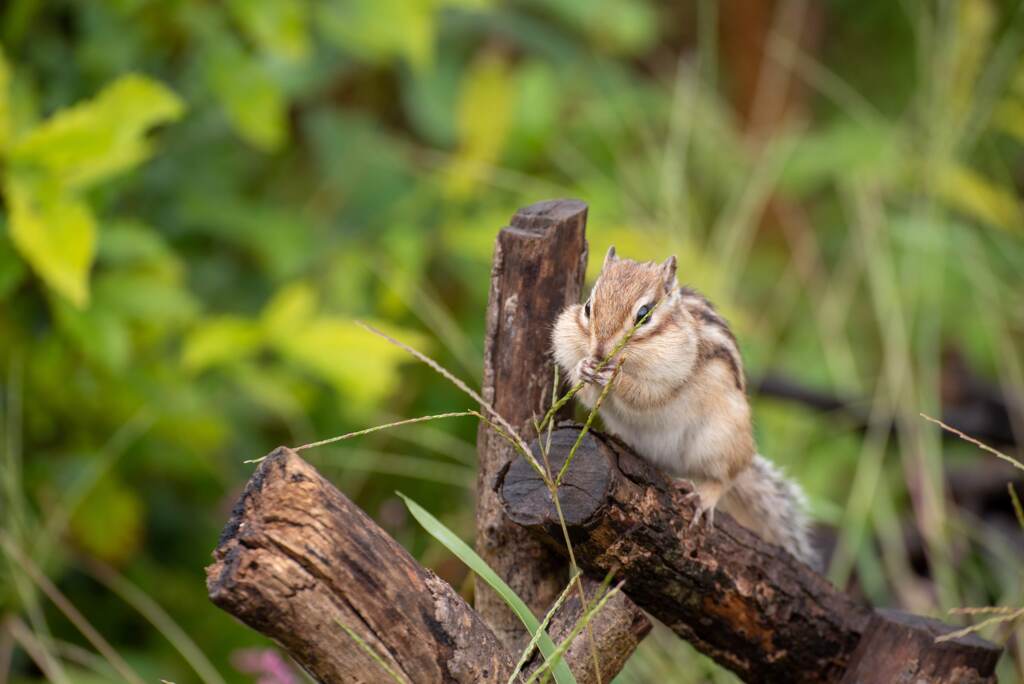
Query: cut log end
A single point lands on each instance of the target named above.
(581, 495)
(541, 217)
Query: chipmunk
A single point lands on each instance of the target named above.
(679, 395)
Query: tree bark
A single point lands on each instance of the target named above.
(538, 269)
(746, 603)
(298, 560)
(899, 647)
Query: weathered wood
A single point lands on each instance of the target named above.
(746, 603)
(900, 647)
(298, 559)
(617, 630)
(538, 268)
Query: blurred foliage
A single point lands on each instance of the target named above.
(198, 199)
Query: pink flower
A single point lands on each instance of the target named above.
(268, 664)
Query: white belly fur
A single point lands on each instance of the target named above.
(667, 436)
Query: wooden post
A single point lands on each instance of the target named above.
(538, 269)
(298, 560)
(744, 602)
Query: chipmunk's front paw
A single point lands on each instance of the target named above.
(701, 512)
(591, 374)
(705, 498)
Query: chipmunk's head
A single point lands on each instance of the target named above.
(628, 293)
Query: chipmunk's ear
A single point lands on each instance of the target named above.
(668, 273)
(609, 257)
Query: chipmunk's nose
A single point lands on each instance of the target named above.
(597, 353)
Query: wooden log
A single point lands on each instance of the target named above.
(900, 647)
(298, 560)
(617, 630)
(538, 268)
(744, 602)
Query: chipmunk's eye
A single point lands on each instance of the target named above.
(644, 310)
(586, 309)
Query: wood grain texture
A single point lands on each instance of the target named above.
(298, 559)
(747, 604)
(617, 630)
(900, 647)
(538, 268)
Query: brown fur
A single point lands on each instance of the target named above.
(679, 397)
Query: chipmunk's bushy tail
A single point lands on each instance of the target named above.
(762, 499)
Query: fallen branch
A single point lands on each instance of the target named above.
(299, 562)
(746, 603)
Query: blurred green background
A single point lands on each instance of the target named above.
(199, 197)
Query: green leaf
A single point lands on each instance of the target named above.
(5, 102)
(289, 310)
(467, 555)
(360, 366)
(220, 340)
(12, 268)
(145, 296)
(128, 242)
(483, 118)
(250, 96)
(51, 226)
(96, 139)
(279, 27)
(54, 232)
(98, 333)
(378, 30)
(109, 524)
(840, 150)
(971, 193)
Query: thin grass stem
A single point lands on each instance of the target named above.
(446, 374)
(377, 428)
(1017, 508)
(528, 651)
(584, 621)
(998, 619)
(370, 652)
(981, 445)
(156, 615)
(35, 650)
(586, 426)
(70, 612)
(557, 406)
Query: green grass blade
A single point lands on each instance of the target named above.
(467, 555)
(528, 651)
(593, 610)
(373, 654)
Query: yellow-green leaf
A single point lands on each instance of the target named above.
(55, 233)
(5, 102)
(362, 367)
(1009, 116)
(93, 140)
(279, 27)
(220, 340)
(289, 310)
(109, 523)
(485, 101)
(250, 96)
(971, 193)
(378, 30)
